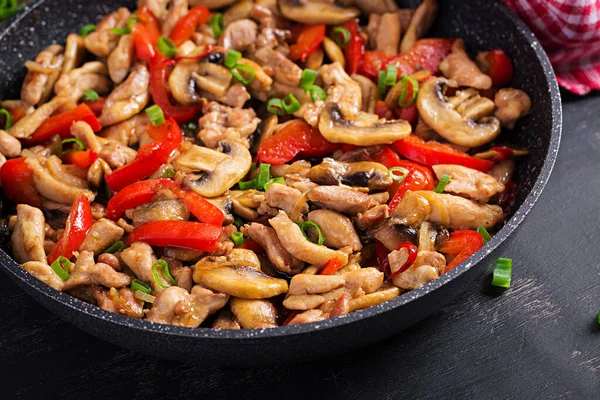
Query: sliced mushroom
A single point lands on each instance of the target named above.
(213, 78)
(333, 51)
(369, 174)
(254, 314)
(364, 130)
(441, 114)
(337, 229)
(317, 12)
(238, 11)
(384, 32)
(370, 95)
(227, 173)
(198, 158)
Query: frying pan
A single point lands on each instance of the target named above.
(483, 24)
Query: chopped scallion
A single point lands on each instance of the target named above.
(407, 100)
(86, 30)
(502, 273)
(192, 126)
(484, 234)
(169, 173)
(61, 267)
(243, 73)
(444, 181)
(157, 117)
(275, 106)
(120, 31)
(341, 36)
(304, 226)
(263, 177)
(166, 47)
(279, 180)
(8, 118)
(381, 83)
(131, 21)
(8, 9)
(317, 93)
(90, 95)
(117, 247)
(231, 58)
(387, 79)
(217, 24)
(291, 104)
(238, 222)
(237, 238)
(78, 146)
(142, 286)
(165, 269)
(398, 177)
(308, 78)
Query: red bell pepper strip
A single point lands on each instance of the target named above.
(78, 224)
(186, 26)
(190, 235)
(331, 267)
(160, 68)
(432, 153)
(409, 114)
(412, 256)
(61, 125)
(309, 40)
(295, 138)
(252, 245)
(461, 245)
(383, 111)
(500, 68)
(425, 54)
(17, 183)
(96, 106)
(418, 178)
(146, 33)
(374, 62)
(82, 159)
(503, 153)
(167, 138)
(355, 54)
(142, 192)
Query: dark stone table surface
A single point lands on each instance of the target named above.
(538, 340)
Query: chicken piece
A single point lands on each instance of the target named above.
(127, 132)
(376, 7)
(140, 258)
(87, 272)
(419, 25)
(372, 299)
(117, 155)
(284, 197)
(337, 229)
(304, 284)
(428, 266)
(361, 281)
(303, 302)
(74, 52)
(226, 320)
(9, 145)
(373, 217)
(254, 314)
(384, 32)
(103, 41)
(26, 126)
(43, 272)
(82, 131)
(39, 82)
(236, 96)
(267, 238)
(307, 317)
(239, 35)
(110, 259)
(128, 99)
(452, 212)
(183, 275)
(285, 71)
(165, 210)
(90, 76)
(177, 10)
(511, 104)
(53, 189)
(158, 7)
(468, 182)
(121, 58)
(101, 236)
(343, 90)
(293, 240)
(122, 301)
(28, 235)
(459, 67)
(341, 199)
(65, 173)
(219, 122)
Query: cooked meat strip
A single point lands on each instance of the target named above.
(158, 7)
(293, 240)
(373, 217)
(511, 104)
(27, 125)
(87, 272)
(43, 272)
(427, 267)
(74, 52)
(101, 236)
(218, 122)
(120, 60)
(127, 132)
(308, 317)
(38, 85)
(364, 280)
(450, 211)
(239, 35)
(140, 258)
(226, 320)
(254, 314)
(9, 145)
(284, 197)
(341, 199)
(469, 182)
(28, 235)
(419, 25)
(284, 70)
(384, 32)
(128, 99)
(122, 301)
(102, 41)
(116, 154)
(267, 238)
(90, 76)
(303, 302)
(177, 10)
(337, 229)
(459, 66)
(314, 284)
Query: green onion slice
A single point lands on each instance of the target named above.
(131, 21)
(484, 234)
(291, 104)
(87, 29)
(247, 185)
(79, 146)
(192, 126)
(157, 117)
(263, 176)
(398, 177)
(304, 226)
(120, 31)
(275, 106)
(142, 286)
(90, 95)
(404, 101)
(502, 273)
(598, 318)
(117, 247)
(237, 238)
(165, 269)
(8, 9)
(238, 222)
(308, 78)
(391, 75)
(243, 73)
(7, 117)
(280, 180)
(317, 93)
(169, 173)
(231, 58)
(166, 47)
(217, 24)
(381, 83)
(444, 180)
(61, 267)
(341, 36)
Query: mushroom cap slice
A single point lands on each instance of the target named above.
(242, 282)
(213, 78)
(317, 12)
(212, 4)
(442, 117)
(364, 130)
(226, 174)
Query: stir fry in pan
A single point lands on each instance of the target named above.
(256, 163)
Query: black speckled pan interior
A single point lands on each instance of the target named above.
(483, 24)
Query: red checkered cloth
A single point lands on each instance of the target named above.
(569, 30)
